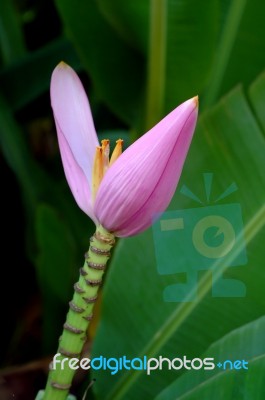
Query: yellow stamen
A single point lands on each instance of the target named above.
(102, 163)
(97, 174)
(105, 154)
(116, 152)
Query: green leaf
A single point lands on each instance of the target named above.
(247, 57)
(240, 54)
(245, 343)
(130, 19)
(115, 69)
(230, 144)
(55, 268)
(12, 44)
(39, 66)
(56, 255)
(17, 154)
(257, 96)
(231, 23)
(190, 48)
(178, 39)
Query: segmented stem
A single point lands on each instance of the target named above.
(80, 314)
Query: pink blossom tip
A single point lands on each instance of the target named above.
(143, 180)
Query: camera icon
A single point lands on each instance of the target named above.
(192, 240)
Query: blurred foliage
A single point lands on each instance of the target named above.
(138, 59)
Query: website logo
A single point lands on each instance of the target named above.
(114, 365)
(191, 240)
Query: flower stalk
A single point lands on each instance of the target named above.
(121, 194)
(80, 313)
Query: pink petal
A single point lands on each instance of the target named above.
(76, 179)
(143, 180)
(75, 126)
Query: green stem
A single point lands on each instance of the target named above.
(223, 53)
(157, 62)
(80, 314)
